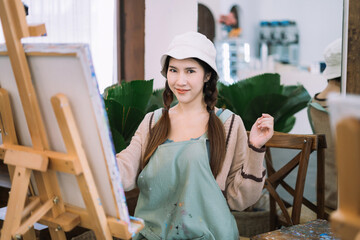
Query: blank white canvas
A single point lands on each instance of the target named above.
(75, 77)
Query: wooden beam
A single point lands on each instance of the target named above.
(57, 233)
(353, 56)
(16, 202)
(2, 154)
(61, 162)
(66, 221)
(30, 234)
(86, 182)
(34, 203)
(15, 27)
(27, 159)
(15, 16)
(37, 30)
(345, 225)
(28, 223)
(132, 40)
(117, 227)
(346, 220)
(6, 119)
(28, 54)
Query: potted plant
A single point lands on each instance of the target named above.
(251, 97)
(126, 105)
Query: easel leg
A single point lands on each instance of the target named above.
(57, 234)
(85, 180)
(7, 123)
(100, 229)
(30, 235)
(16, 202)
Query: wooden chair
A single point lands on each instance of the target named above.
(291, 212)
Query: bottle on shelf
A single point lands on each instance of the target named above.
(293, 43)
(233, 56)
(275, 47)
(285, 41)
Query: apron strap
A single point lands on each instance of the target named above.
(155, 116)
(224, 115)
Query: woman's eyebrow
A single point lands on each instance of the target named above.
(186, 68)
(170, 66)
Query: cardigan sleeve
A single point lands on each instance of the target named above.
(130, 158)
(246, 177)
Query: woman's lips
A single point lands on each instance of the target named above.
(182, 91)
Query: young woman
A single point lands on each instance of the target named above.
(193, 162)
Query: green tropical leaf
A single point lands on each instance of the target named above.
(298, 99)
(288, 90)
(124, 119)
(126, 105)
(241, 93)
(285, 124)
(118, 139)
(155, 101)
(263, 93)
(134, 94)
(269, 103)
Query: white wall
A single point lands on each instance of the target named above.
(165, 19)
(319, 21)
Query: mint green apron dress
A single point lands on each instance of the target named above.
(179, 197)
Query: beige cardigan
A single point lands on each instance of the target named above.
(241, 177)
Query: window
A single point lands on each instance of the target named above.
(80, 21)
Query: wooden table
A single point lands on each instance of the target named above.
(317, 229)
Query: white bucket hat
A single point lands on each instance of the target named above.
(332, 56)
(191, 45)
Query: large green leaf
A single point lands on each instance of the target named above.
(126, 105)
(155, 101)
(124, 119)
(240, 94)
(298, 99)
(285, 124)
(251, 97)
(268, 103)
(119, 141)
(134, 94)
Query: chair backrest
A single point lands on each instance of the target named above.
(306, 144)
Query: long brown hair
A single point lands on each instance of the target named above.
(215, 129)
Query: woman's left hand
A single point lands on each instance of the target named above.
(262, 130)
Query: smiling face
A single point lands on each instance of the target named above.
(186, 80)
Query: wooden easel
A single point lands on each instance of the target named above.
(48, 207)
(345, 221)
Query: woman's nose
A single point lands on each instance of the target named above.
(182, 80)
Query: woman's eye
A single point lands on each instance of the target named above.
(191, 71)
(172, 70)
